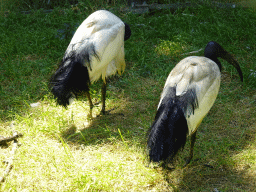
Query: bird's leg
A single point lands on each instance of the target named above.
(87, 93)
(103, 99)
(103, 94)
(193, 139)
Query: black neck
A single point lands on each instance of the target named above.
(216, 60)
(127, 32)
(212, 51)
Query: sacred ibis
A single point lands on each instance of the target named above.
(95, 51)
(189, 93)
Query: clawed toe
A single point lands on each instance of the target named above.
(104, 112)
(187, 162)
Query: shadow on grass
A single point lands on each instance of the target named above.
(225, 141)
(101, 129)
(129, 121)
(225, 174)
(227, 131)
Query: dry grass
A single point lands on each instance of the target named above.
(89, 154)
(65, 150)
(75, 153)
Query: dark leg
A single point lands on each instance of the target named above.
(103, 99)
(103, 94)
(193, 139)
(87, 93)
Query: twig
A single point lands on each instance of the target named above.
(192, 52)
(9, 162)
(4, 140)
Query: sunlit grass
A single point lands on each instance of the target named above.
(59, 144)
(66, 150)
(169, 48)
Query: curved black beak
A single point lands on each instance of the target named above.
(231, 60)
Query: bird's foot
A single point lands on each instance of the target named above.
(209, 166)
(97, 103)
(104, 112)
(188, 160)
(167, 166)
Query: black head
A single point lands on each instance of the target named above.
(127, 33)
(213, 50)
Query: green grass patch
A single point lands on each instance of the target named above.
(65, 150)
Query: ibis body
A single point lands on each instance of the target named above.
(95, 51)
(189, 93)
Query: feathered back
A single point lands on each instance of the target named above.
(107, 33)
(96, 50)
(169, 131)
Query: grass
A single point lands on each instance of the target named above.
(64, 150)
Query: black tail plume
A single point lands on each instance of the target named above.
(70, 79)
(168, 133)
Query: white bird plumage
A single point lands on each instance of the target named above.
(106, 32)
(95, 51)
(189, 93)
(195, 73)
